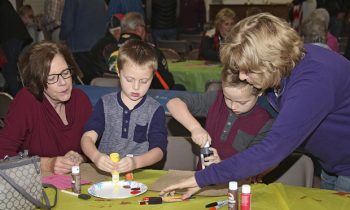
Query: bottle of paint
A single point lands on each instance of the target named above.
(130, 175)
(205, 152)
(76, 179)
(245, 197)
(232, 195)
(115, 174)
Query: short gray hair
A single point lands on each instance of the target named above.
(130, 22)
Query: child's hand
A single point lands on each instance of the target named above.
(200, 136)
(126, 164)
(214, 158)
(103, 162)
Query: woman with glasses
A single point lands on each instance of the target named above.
(47, 116)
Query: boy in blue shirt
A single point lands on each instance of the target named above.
(128, 121)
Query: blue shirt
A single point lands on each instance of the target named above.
(128, 131)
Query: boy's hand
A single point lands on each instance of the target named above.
(126, 164)
(103, 162)
(214, 158)
(200, 136)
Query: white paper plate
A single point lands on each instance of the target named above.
(109, 191)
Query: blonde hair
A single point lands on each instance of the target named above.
(138, 52)
(223, 15)
(264, 45)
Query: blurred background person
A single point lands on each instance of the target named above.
(125, 6)
(13, 38)
(163, 15)
(33, 25)
(83, 24)
(53, 10)
(225, 19)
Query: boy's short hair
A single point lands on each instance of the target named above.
(230, 78)
(264, 45)
(24, 10)
(138, 52)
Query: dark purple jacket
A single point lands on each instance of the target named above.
(314, 109)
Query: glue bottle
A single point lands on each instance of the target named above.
(232, 195)
(205, 152)
(129, 176)
(76, 179)
(115, 174)
(245, 197)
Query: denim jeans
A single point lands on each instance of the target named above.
(338, 183)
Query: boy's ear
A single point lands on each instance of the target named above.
(118, 71)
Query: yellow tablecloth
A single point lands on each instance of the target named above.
(193, 74)
(264, 197)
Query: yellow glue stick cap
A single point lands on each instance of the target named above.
(114, 157)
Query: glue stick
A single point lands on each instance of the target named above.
(115, 174)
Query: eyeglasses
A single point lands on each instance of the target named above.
(65, 74)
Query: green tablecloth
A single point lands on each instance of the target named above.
(264, 197)
(194, 74)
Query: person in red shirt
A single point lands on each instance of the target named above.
(47, 116)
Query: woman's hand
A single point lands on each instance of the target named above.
(103, 162)
(126, 164)
(214, 158)
(200, 136)
(190, 184)
(61, 165)
(75, 157)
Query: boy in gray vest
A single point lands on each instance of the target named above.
(128, 121)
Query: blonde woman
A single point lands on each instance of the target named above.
(310, 89)
(224, 21)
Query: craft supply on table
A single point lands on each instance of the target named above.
(62, 181)
(217, 203)
(124, 189)
(205, 152)
(232, 195)
(245, 197)
(115, 174)
(160, 200)
(76, 179)
(81, 196)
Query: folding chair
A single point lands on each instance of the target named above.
(193, 55)
(193, 39)
(170, 54)
(180, 46)
(182, 154)
(213, 85)
(105, 82)
(5, 100)
(297, 169)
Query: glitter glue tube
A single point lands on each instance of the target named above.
(115, 174)
(76, 188)
(205, 152)
(129, 176)
(232, 195)
(245, 197)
